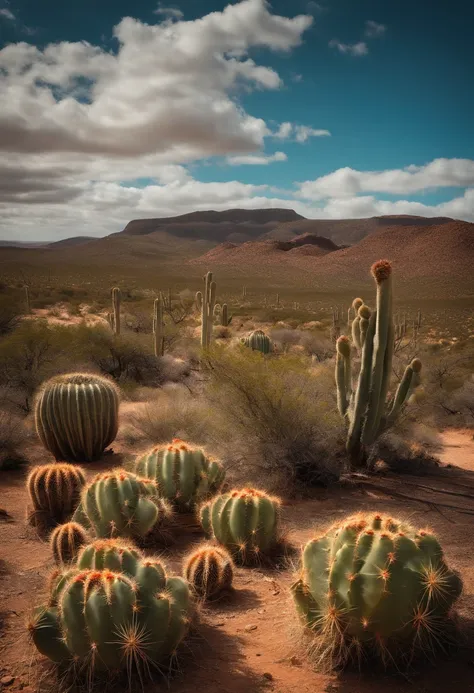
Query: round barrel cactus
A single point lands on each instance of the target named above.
(121, 504)
(375, 585)
(245, 521)
(258, 341)
(183, 473)
(209, 569)
(105, 620)
(76, 416)
(54, 491)
(110, 554)
(66, 541)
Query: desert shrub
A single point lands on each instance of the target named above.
(12, 438)
(402, 455)
(222, 332)
(317, 346)
(461, 403)
(171, 413)
(278, 422)
(285, 338)
(9, 314)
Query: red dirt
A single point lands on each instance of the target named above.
(245, 643)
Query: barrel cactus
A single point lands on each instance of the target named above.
(117, 555)
(258, 341)
(54, 491)
(105, 620)
(375, 585)
(66, 541)
(244, 521)
(76, 416)
(183, 473)
(121, 504)
(209, 569)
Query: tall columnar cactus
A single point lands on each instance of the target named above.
(54, 491)
(258, 341)
(76, 416)
(374, 584)
(27, 300)
(366, 409)
(106, 620)
(116, 300)
(117, 555)
(66, 541)
(206, 302)
(225, 319)
(183, 473)
(121, 504)
(244, 521)
(158, 332)
(210, 570)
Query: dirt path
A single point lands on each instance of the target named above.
(458, 449)
(246, 643)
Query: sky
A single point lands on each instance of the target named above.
(118, 110)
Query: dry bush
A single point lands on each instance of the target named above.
(317, 346)
(171, 413)
(222, 332)
(285, 338)
(277, 423)
(402, 457)
(12, 438)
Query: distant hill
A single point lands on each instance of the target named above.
(22, 244)
(71, 242)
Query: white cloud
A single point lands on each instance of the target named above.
(5, 12)
(356, 49)
(255, 159)
(301, 133)
(373, 29)
(347, 182)
(170, 12)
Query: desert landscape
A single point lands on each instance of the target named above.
(243, 368)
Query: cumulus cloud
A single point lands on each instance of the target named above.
(373, 29)
(356, 49)
(347, 182)
(301, 133)
(255, 159)
(170, 12)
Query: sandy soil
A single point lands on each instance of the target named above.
(245, 643)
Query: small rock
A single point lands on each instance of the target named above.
(276, 593)
(7, 680)
(257, 654)
(250, 628)
(295, 661)
(261, 611)
(268, 676)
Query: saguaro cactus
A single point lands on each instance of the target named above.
(27, 300)
(375, 585)
(54, 491)
(158, 333)
(225, 319)
(121, 504)
(244, 521)
(183, 473)
(66, 542)
(206, 303)
(76, 416)
(106, 621)
(366, 409)
(209, 569)
(116, 300)
(258, 341)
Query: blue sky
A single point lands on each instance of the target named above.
(337, 109)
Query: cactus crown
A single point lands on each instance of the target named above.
(416, 365)
(357, 303)
(248, 494)
(381, 270)
(364, 312)
(343, 346)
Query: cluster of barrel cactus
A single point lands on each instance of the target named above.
(375, 585)
(76, 416)
(366, 409)
(53, 491)
(184, 474)
(258, 341)
(245, 521)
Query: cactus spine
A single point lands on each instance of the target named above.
(158, 333)
(206, 303)
(375, 585)
(66, 541)
(367, 411)
(121, 504)
(54, 491)
(184, 475)
(210, 570)
(116, 299)
(258, 341)
(107, 621)
(76, 416)
(244, 521)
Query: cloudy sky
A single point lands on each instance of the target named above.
(119, 109)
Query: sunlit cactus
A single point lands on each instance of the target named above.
(76, 416)
(183, 473)
(66, 541)
(258, 341)
(54, 491)
(116, 301)
(117, 555)
(374, 585)
(210, 570)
